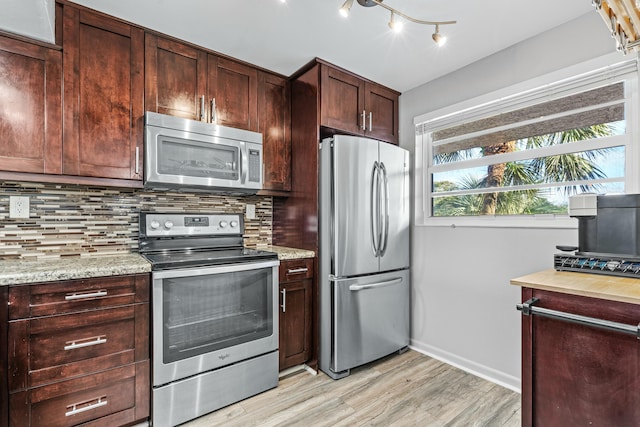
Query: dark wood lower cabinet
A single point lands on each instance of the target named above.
(296, 287)
(576, 374)
(82, 359)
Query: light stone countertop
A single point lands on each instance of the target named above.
(47, 270)
(612, 288)
(13, 272)
(285, 253)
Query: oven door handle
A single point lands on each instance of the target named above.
(218, 269)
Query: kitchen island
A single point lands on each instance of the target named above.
(580, 349)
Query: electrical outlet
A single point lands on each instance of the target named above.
(251, 211)
(18, 206)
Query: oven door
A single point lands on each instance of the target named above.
(206, 318)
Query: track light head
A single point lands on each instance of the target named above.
(395, 24)
(437, 37)
(346, 7)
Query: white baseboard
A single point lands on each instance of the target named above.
(485, 372)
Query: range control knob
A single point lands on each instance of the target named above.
(154, 224)
(222, 224)
(168, 224)
(233, 224)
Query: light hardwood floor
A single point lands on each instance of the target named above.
(410, 389)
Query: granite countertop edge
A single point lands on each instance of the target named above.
(16, 272)
(286, 253)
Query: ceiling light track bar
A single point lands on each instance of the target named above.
(409, 18)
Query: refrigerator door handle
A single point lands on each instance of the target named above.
(375, 223)
(375, 285)
(385, 202)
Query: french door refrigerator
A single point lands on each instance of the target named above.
(364, 252)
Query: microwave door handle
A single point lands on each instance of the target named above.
(244, 163)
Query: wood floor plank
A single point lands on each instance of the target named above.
(404, 390)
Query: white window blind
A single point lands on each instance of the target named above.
(524, 154)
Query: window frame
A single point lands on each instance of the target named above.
(424, 147)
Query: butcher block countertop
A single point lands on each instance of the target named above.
(13, 272)
(613, 288)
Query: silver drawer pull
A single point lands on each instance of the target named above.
(86, 295)
(87, 342)
(297, 270)
(78, 408)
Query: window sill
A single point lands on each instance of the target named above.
(533, 221)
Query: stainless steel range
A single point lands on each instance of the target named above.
(215, 321)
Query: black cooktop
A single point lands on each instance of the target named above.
(165, 260)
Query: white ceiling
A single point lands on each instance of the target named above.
(284, 36)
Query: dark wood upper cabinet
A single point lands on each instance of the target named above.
(275, 125)
(175, 78)
(354, 105)
(382, 110)
(233, 93)
(184, 81)
(103, 96)
(30, 107)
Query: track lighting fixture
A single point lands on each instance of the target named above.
(437, 37)
(346, 7)
(394, 23)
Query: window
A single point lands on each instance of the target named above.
(521, 156)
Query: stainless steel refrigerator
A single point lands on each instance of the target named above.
(364, 252)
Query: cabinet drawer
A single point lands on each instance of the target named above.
(116, 394)
(50, 349)
(296, 269)
(47, 299)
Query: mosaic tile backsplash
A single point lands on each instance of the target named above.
(72, 220)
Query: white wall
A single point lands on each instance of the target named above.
(463, 306)
(32, 18)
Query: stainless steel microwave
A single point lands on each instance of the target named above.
(188, 154)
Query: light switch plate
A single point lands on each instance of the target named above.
(251, 211)
(18, 207)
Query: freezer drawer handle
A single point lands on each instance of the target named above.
(528, 309)
(375, 285)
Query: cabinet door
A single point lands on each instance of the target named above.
(30, 107)
(295, 323)
(103, 96)
(275, 126)
(578, 375)
(342, 104)
(233, 93)
(381, 105)
(175, 78)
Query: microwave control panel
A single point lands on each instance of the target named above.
(254, 165)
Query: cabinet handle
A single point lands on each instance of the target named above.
(137, 160)
(214, 115)
(284, 300)
(370, 121)
(297, 270)
(85, 295)
(85, 342)
(364, 124)
(202, 119)
(77, 408)
(528, 309)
